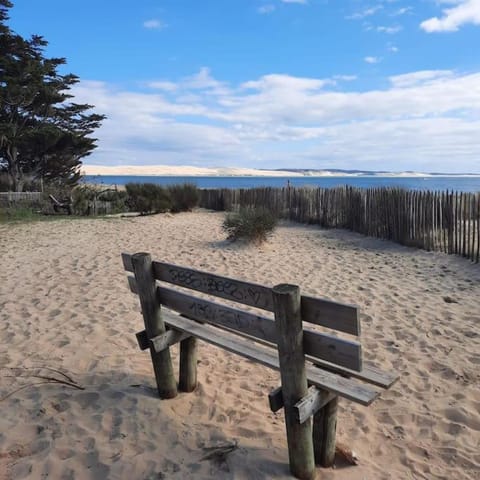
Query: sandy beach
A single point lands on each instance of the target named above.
(66, 312)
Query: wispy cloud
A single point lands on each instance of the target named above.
(154, 24)
(345, 78)
(367, 12)
(390, 30)
(304, 2)
(421, 121)
(402, 11)
(265, 9)
(372, 60)
(465, 12)
(422, 77)
(163, 85)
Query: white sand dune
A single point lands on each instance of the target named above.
(65, 304)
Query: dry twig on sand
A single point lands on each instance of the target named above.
(23, 372)
(219, 452)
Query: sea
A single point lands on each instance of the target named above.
(439, 183)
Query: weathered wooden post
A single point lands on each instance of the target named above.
(154, 326)
(324, 430)
(286, 299)
(188, 365)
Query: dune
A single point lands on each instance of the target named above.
(66, 313)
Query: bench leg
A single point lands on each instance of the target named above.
(188, 365)
(288, 322)
(154, 325)
(324, 430)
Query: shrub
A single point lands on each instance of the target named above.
(18, 212)
(81, 197)
(148, 197)
(250, 224)
(184, 197)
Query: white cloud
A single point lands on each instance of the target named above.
(367, 12)
(163, 85)
(390, 30)
(345, 78)
(420, 77)
(154, 24)
(372, 60)
(279, 82)
(465, 12)
(264, 9)
(402, 11)
(422, 121)
(304, 2)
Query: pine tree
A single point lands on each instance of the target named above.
(42, 134)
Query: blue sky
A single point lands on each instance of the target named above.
(380, 85)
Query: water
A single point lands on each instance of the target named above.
(461, 184)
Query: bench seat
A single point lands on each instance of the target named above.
(345, 387)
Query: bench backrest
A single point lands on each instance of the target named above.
(325, 313)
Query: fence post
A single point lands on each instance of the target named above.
(147, 292)
(288, 321)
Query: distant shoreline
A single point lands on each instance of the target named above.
(189, 171)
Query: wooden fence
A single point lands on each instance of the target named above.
(440, 221)
(39, 199)
(7, 198)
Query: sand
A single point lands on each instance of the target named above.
(65, 305)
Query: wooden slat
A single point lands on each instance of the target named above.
(275, 399)
(306, 407)
(127, 262)
(345, 387)
(320, 311)
(132, 283)
(230, 289)
(312, 402)
(167, 339)
(317, 344)
(338, 316)
(369, 373)
(142, 339)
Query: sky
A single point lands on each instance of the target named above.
(351, 84)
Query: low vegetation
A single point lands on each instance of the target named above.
(250, 224)
(184, 197)
(147, 198)
(91, 200)
(152, 198)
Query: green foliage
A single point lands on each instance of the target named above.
(184, 197)
(85, 196)
(16, 214)
(20, 210)
(42, 134)
(250, 224)
(148, 198)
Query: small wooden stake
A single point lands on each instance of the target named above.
(324, 430)
(154, 326)
(188, 365)
(286, 299)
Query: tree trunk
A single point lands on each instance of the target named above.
(14, 170)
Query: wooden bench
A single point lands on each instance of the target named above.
(316, 367)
